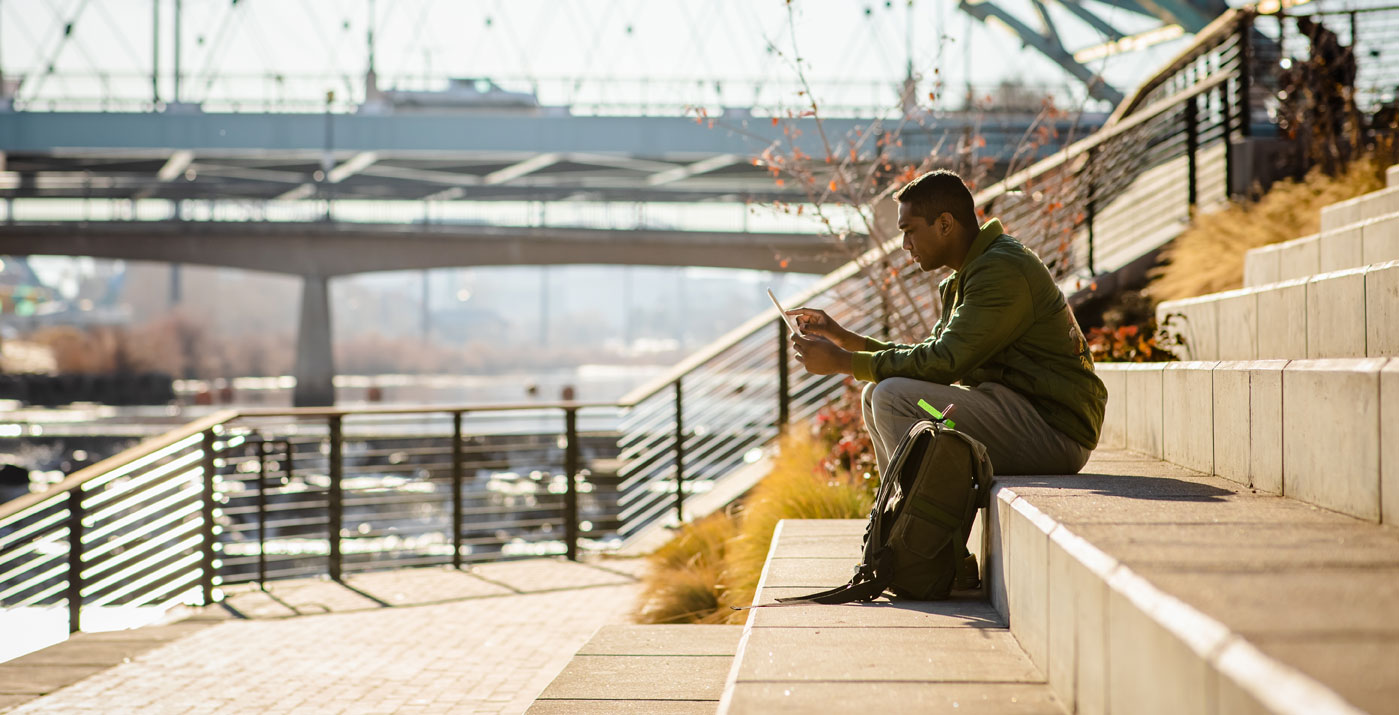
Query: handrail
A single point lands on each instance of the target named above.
(420, 409)
(1082, 146)
(1221, 26)
(163, 440)
(142, 449)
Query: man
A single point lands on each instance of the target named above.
(1007, 350)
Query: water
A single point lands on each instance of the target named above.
(52, 442)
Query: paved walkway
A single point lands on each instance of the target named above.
(486, 642)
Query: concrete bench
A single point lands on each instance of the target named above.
(1312, 430)
(1350, 313)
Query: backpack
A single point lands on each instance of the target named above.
(916, 539)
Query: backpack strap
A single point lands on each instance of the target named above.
(869, 582)
(854, 591)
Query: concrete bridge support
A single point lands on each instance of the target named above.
(315, 363)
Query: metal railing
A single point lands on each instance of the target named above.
(263, 494)
(580, 96)
(255, 495)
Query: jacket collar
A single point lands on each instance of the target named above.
(990, 231)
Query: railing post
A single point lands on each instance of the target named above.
(75, 559)
(783, 398)
(1246, 75)
(1227, 117)
(456, 489)
(679, 454)
(570, 468)
(1091, 210)
(262, 512)
(1192, 140)
(206, 583)
(336, 496)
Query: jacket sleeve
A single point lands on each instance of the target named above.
(995, 310)
(875, 345)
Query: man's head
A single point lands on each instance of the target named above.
(937, 217)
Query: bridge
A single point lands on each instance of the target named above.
(149, 175)
(192, 172)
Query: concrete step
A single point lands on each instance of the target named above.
(42, 672)
(1142, 587)
(954, 656)
(1363, 243)
(644, 669)
(1391, 176)
(1320, 431)
(1350, 313)
(1361, 208)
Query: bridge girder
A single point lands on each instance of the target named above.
(333, 249)
(498, 157)
(1190, 15)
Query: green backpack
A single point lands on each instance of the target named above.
(916, 540)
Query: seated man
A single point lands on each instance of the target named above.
(1007, 350)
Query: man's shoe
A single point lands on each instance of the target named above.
(967, 578)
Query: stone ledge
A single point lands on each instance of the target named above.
(1362, 243)
(1164, 591)
(1366, 206)
(644, 668)
(1307, 429)
(1344, 313)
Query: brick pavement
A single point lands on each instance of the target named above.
(490, 652)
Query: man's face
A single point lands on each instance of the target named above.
(930, 243)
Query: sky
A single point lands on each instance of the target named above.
(565, 50)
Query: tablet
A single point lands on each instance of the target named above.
(791, 324)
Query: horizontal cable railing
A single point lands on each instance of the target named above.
(257, 495)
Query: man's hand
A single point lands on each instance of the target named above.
(815, 322)
(822, 357)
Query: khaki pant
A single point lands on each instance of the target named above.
(1017, 439)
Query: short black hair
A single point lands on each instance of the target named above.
(938, 192)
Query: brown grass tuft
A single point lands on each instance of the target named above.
(716, 562)
(684, 583)
(797, 488)
(1209, 256)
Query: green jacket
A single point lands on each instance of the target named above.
(1003, 320)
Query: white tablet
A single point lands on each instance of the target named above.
(791, 324)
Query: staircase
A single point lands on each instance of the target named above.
(1230, 547)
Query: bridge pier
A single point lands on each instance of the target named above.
(315, 363)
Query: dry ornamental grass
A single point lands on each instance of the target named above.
(715, 563)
